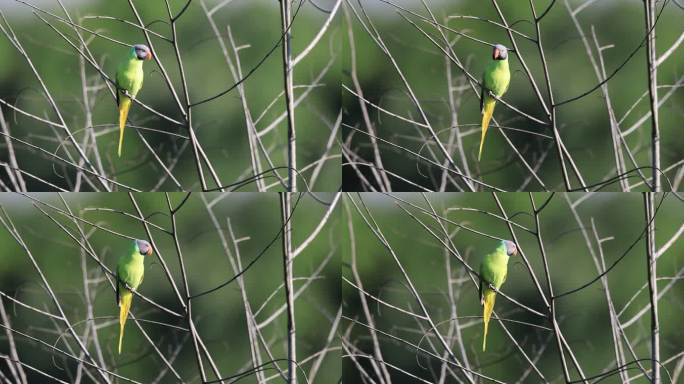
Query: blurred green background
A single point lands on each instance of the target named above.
(219, 316)
(220, 124)
(583, 316)
(584, 125)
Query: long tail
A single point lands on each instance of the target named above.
(489, 298)
(124, 306)
(487, 111)
(124, 106)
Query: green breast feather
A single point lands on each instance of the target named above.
(497, 77)
(494, 268)
(129, 76)
(131, 270)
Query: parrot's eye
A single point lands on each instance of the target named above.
(144, 247)
(142, 52)
(500, 52)
(511, 248)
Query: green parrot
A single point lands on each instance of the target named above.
(129, 274)
(129, 77)
(495, 79)
(493, 270)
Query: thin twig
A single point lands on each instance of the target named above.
(649, 207)
(286, 212)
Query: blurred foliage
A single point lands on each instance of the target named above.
(220, 124)
(583, 316)
(219, 316)
(583, 124)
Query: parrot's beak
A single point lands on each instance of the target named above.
(496, 54)
(150, 252)
(149, 56)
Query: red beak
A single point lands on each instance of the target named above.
(149, 56)
(149, 251)
(496, 54)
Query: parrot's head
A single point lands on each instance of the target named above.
(510, 247)
(500, 52)
(144, 248)
(141, 52)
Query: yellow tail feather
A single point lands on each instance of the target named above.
(124, 306)
(489, 298)
(487, 112)
(124, 106)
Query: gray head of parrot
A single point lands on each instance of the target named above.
(500, 52)
(511, 248)
(141, 52)
(144, 248)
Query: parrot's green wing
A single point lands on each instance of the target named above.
(118, 87)
(496, 77)
(483, 92)
(117, 283)
(130, 77)
(482, 285)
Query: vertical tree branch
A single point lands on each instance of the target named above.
(380, 369)
(14, 174)
(285, 209)
(552, 115)
(17, 44)
(14, 364)
(547, 274)
(381, 177)
(455, 132)
(377, 37)
(88, 298)
(375, 228)
(186, 288)
(286, 19)
(649, 198)
(187, 111)
(237, 75)
(649, 8)
(235, 262)
(9, 225)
